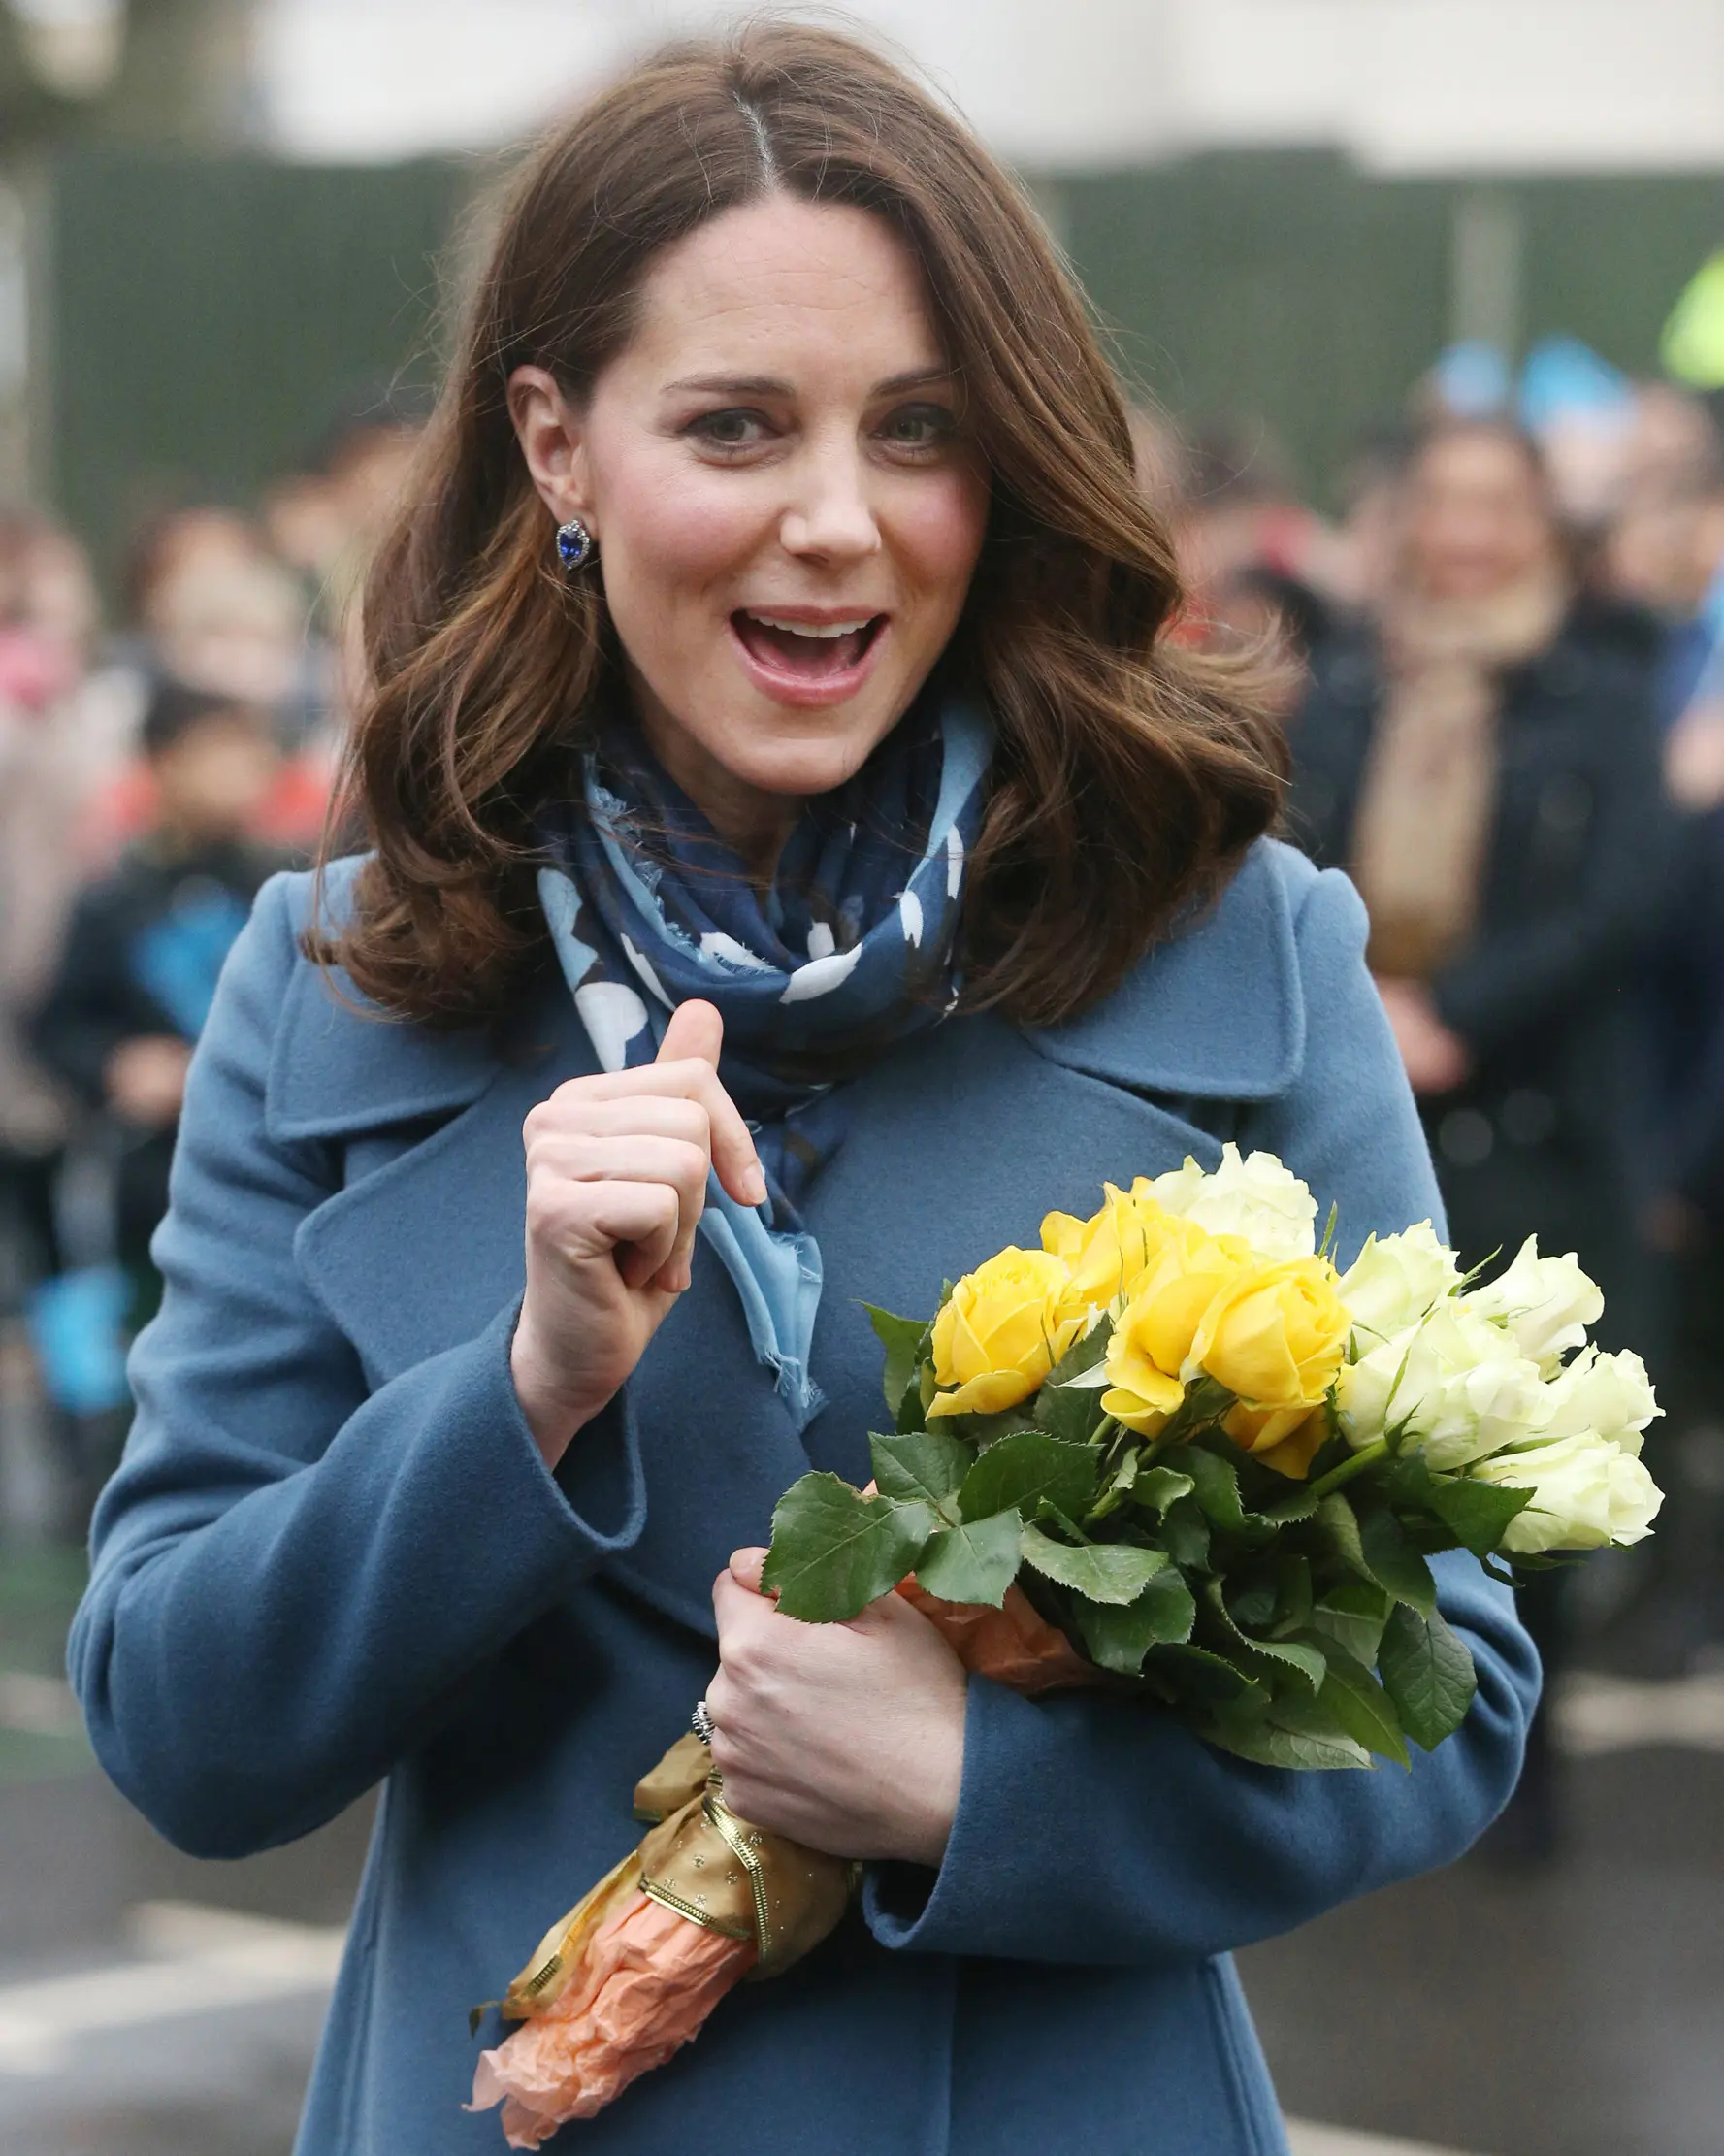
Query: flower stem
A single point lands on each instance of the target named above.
(1349, 1468)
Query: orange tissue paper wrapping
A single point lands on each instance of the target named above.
(631, 1972)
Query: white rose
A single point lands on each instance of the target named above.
(1610, 1396)
(1547, 1303)
(1457, 1383)
(1586, 1492)
(1257, 1198)
(1396, 1279)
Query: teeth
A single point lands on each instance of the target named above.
(811, 629)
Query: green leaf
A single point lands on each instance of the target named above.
(1293, 1732)
(1306, 1662)
(1409, 1482)
(1029, 1464)
(1157, 1488)
(834, 1550)
(1339, 1525)
(1394, 1564)
(1293, 1596)
(1115, 1571)
(1216, 1486)
(1361, 1706)
(1477, 1513)
(905, 1340)
(1353, 1614)
(1211, 1678)
(1067, 1405)
(1286, 1511)
(1184, 1535)
(985, 1430)
(921, 1467)
(1119, 1485)
(1086, 1354)
(1429, 1673)
(1120, 1635)
(976, 1561)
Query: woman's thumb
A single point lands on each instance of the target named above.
(695, 1030)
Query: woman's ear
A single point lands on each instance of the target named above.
(552, 434)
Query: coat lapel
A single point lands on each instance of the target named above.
(420, 1254)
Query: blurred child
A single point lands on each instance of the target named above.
(146, 944)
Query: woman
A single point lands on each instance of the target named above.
(860, 710)
(1486, 765)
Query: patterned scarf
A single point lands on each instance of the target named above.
(849, 952)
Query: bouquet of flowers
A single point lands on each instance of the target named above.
(1172, 1450)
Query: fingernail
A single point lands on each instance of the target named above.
(755, 1183)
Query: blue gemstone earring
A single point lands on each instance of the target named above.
(574, 544)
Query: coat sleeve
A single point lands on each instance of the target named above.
(290, 1579)
(1103, 1830)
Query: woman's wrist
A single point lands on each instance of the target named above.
(553, 1417)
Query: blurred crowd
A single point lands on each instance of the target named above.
(1500, 662)
(1502, 673)
(165, 744)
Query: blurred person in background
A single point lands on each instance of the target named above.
(1249, 547)
(325, 519)
(1357, 561)
(1666, 551)
(145, 945)
(67, 725)
(212, 606)
(1482, 759)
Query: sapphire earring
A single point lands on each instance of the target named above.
(574, 544)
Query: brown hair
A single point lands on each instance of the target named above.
(1130, 774)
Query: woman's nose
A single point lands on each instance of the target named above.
(831, 516)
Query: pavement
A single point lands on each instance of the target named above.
(151, 2004)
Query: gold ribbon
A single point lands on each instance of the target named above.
(710, 1867)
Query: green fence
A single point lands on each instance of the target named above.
(205, 316)
(1297, 288)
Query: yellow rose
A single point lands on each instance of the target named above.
(1153, 1337)
(1274, 1335)
(1003, 1330)
(1290, 1455)
(1110, 1253)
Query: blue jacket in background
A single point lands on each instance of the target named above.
(333, 1556)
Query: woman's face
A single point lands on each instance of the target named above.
(1476, 518)
(787, 508)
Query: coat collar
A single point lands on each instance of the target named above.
(1217, 1012)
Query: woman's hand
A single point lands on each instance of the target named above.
(616, 1180)
(1436, 1058)
(846, 1736)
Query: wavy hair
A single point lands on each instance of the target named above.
(1131, 772)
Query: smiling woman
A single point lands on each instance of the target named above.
(787, 812)
(788, 504)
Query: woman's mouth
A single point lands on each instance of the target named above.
(805, 658)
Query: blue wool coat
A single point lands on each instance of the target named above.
(332, 1556)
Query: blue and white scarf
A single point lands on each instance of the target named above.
(849, 951)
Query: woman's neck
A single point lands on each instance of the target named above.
(752, 822)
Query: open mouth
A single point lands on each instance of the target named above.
(809, 651)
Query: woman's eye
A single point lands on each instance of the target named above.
(736, 428)
(919, 427)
